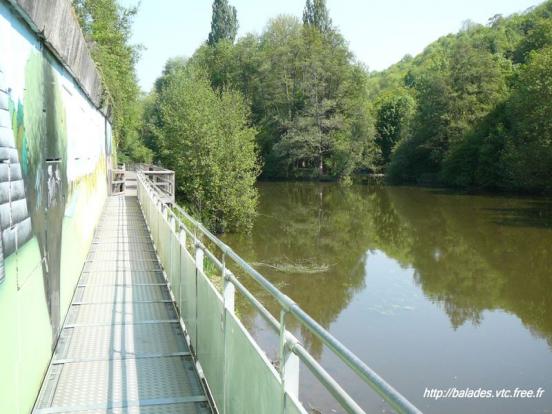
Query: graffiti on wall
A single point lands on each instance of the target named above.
(54, 152)
(15, 223)
(36, 154)
(41, 146)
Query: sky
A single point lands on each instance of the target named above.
(379, 32)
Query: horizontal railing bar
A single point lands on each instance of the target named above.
(211, 256)
(378, 384)
(258, 305)
(157, 172)
(162, 183)
(326, 379)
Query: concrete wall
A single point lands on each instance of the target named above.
(55, 23)
(54, 149)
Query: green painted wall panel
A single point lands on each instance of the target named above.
(253, 385)
(210, 336)
(187, 295)
(55, 141)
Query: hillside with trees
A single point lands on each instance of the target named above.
(474, 110)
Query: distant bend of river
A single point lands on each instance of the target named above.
(430, 288)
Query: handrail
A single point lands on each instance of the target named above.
(396, 400)
(117, 182)
(164, 180)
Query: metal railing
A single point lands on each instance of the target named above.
(161, 178)
(117, 182)
(291, 351)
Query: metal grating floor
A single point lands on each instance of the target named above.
(122, 348)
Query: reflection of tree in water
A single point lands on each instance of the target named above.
(467, 261)
(316, 224)
(462, 258)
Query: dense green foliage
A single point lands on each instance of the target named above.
(224, 23)
(107, 28)
(473, 110)
(482, 116)
(393, 114)
(470, 111)
(308, 97)
(316, 15)
(205, 137)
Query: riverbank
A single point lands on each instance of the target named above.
(426, 181)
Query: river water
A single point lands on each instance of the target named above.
(431, 289)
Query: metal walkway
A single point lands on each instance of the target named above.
(122, 348)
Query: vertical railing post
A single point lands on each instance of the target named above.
(158, 214)
(170, 219)
(199, 269)
(173, 189)
(228, 289)
(172, 222)
(182, 239)
(165, 211)
(291, 372)
(182, 236)
(199, 258)
(228, 296)
(281, 359)
(288, 365)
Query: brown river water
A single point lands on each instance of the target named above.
(432, 289)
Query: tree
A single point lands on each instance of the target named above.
(224, 22)
(478, 82)
(278, 98)
(327, 115)
(205, 137)
(528, 155)
(308, 98)
(457, 89)
(538, 37)
(482, 111)
(316, 15)
(107, 28)
(393, 114)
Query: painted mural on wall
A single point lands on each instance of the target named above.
(54, 150)
(15, 223)
(41, 161)
(53, 146)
